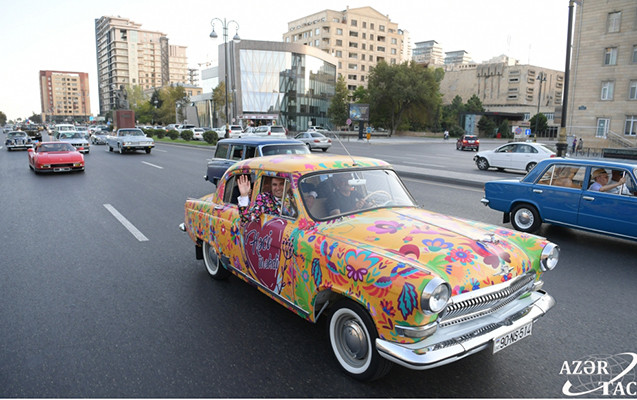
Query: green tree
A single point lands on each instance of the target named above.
(504, 129)
(35, 118)
(219, 101)
(338, 109)
(169, 97)
(3, 118)
(487, 126)
(474, 105)
(540, 121)
(450, 118)
(404, 91)
(360, 95)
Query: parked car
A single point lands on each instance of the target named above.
(470, 142)
(558, 191)
(74, 137)
(197, 133)
(229, 151)
(18, 140)
(314, 140)
(129, 139)
(270, 130)
(55, 157)
(516, 155)
(397, 283)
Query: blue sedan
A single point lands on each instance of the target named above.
(593, 195)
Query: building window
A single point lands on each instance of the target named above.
(353, 55)
(353, 33)
(317, 31)
(603, 125)
(339, 42)
(631, 125)
(354, 22)
(632, 90)
(339, 53)
(353, 44)
(393, 51)
(352, 66)
(614, 21)
(380, 49)
(381, 28)
(371, 26)
(339, 31)
(634, 54)
(394, 41)
(607, 90)
(351, 77)
(610, 56)
(316, 43)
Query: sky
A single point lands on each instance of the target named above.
(60, 35)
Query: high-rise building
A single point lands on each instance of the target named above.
(602, 102)
(64, 96)
(358, 37)
(129, 55)
(429, 52)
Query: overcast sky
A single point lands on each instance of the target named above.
(60, 35)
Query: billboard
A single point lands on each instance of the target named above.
(359, 112)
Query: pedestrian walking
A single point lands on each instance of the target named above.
(580, 145)
(574, 144)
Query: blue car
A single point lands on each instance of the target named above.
(593, 195)
(229, 151)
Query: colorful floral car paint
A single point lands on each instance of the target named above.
(397, 282)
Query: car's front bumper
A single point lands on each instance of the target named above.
(452, 343)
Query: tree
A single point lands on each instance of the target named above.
(540, 121)
(3, 118)
(450, 118)
(487, 126)
(360, 95)
(338, 109)
(474, 105)
(35, 118)
(219, 100)
(404, 91)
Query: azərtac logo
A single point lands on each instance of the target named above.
(605, 375)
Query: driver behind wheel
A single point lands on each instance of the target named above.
(345, 197)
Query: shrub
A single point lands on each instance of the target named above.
(160, 133)
(173, 134)
(211, 137)
(186, 135)
(149, 132)
(456, 131)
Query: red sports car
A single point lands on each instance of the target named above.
(55, 157)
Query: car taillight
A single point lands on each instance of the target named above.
(316, 141)
(553, 155)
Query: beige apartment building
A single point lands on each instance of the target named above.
(358, 37)
(602, 102)
(129, 55)
(505, 86)
(64, 96)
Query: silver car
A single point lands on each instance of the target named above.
(18, 140)
(314, 140)
(76, 138)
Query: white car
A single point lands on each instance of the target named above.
(270, 130)
(314, 140)
(516, 155)
(197, 133)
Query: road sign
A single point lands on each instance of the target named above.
(349, 121)
(527, 132)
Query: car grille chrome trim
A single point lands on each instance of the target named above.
(485, 301)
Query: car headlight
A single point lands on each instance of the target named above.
(435, 296)
(550, 256)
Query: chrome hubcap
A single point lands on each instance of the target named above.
(524, 218)
(354, 340)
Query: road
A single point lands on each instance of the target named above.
(91, 309)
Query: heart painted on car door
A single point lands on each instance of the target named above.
(263, 250)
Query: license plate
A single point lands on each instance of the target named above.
(65, 169)
(504, 341)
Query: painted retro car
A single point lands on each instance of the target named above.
(399, 284)
(18, 140)
(55, 157)
(593, 195)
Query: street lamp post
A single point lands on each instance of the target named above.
(541, 78)
(225, 24)
(561, 139)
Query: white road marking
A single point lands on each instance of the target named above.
(152, 165)
(131, 228)
(163, 151)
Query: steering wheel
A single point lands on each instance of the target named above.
(378, 192)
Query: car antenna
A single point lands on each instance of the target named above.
(345, 148)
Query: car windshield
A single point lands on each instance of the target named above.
(49, 147)
(131, 132)
(330, 195)
(285, 149)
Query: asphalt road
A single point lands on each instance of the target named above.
(88, 309)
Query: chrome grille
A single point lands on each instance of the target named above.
(485, 301)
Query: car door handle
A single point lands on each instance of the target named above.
(219, 207)
(588, 198)
(538, 191)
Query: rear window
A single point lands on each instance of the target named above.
(277, 129)
(284, 149)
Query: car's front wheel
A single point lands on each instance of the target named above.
(525, 218)
(213, 263)
(530, 166)
(147, 151)
(121, 150)
(352, 336)
(482, 164)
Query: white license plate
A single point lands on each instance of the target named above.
(64, 169)
(504, 341)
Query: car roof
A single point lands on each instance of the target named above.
(591, 161)
(248, 140)
(306, 163)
